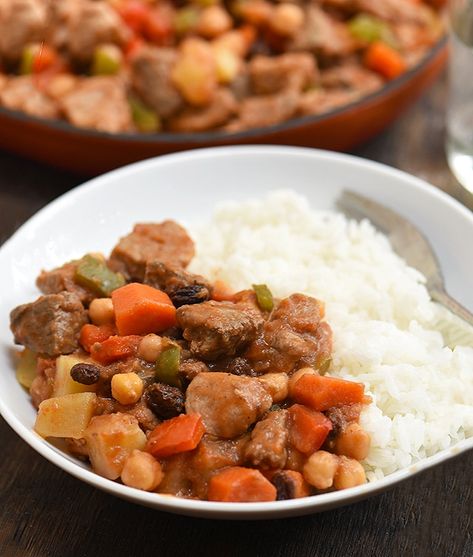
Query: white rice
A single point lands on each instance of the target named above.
(382, 318)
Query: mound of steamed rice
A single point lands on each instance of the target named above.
(382, 318)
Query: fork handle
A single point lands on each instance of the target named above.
(441, 296)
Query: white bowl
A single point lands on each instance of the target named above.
(187, 186)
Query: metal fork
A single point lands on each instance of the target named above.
(407, 242)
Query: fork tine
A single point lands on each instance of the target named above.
(362, 207)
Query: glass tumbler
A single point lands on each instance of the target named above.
(460, 105)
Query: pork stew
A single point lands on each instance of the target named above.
(172, 383)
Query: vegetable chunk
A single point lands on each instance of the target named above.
(65, 416)
(240, 484)
(321, 392)
(141, 309)
(176, 435)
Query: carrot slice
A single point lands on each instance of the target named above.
(90, 334)
(322, 392)
(176, 435)
(384, 60)
(240, 484)
(308, 428)
(141, 309)
(221, 292)
(115, 348)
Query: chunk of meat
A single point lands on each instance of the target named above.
(50, 325)
(227, 403)
(182, 287)
(353, 77)
(216, 329)
(145, 417)
(151, 78)
(272, 74)
(267, 446)
(222, 107)
(247, 301)
(324, 35)
(190, 368)
(302, 313)
(62, 278)
(93, 24)
(294, 337)
(43, 384)
(21, 93)
(167, 242)
(318, 101)
(22, 22)
(265, 110)
(395, 10)
(99, 103)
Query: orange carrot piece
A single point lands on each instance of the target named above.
(115, 348)
(290, 484)
(322, 392)
(141, 309)
(177, 435)
(221, 292)
(238, 484)
(308, 428)
(384, 60)
(90, 334)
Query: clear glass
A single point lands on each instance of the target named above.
(460, 107)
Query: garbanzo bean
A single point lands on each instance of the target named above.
(287, 19)
(349, 473)
(142, 471)
(127, 388)
(214, 21)
(101, 311)
(150, 347)
(354, 442)
(320, 469)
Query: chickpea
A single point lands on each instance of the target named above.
(127, 388)
(320, 469)
(101, 311)
(214, 21)
(287, 19)
(354, 442)
(255, 12)
(350, 473)
(142, 471)
(150, 347)
(276, 384)
(297, 375)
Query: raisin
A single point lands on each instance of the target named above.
(188, 295)
(165, 401)
(285, 488)
(87, 374)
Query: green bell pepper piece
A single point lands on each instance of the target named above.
(167, 366)
(145, 119)
(92, 273)
(263, 297)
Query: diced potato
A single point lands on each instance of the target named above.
(110, 439)
(63, 382)
(26, 368)
(65, 416)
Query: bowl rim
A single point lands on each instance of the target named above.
(212, 136)
(207, 509)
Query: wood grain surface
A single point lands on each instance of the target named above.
(45, 512)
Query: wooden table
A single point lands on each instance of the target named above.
(45, 512)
